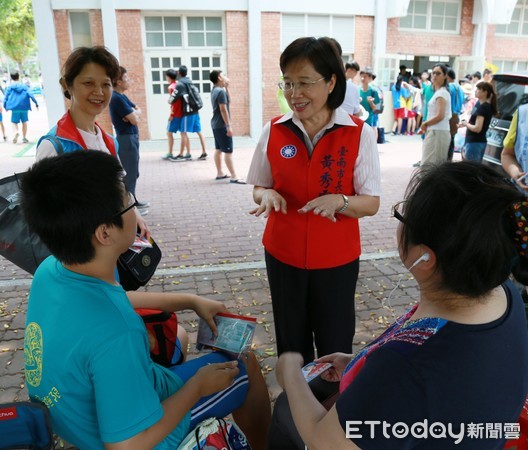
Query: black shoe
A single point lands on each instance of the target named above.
(202, 157)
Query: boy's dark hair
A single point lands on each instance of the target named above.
(451, 74)
(15, 76)
(172, 74)
(463, 212)
(65, 199)
(477, 74)
(183, 71)
(352, 65)
(84, 55)
(323, 54)
(214, 75)
(487, 71)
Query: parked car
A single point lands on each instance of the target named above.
(512, 91)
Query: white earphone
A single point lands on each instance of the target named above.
(425, 257)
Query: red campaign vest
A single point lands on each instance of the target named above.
(66, 129)
(308, 241)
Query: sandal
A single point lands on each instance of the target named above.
(222, 178)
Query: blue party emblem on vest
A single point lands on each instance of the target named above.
(288, 151)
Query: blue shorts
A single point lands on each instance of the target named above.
(191, 124)
(174, 124)
(375, 120)
(1, 117)
(219, 404)
(19, 116)
(223, 142)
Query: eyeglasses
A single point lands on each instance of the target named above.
(132, 203)
(437, 73)
(396, 211)
(304, 86)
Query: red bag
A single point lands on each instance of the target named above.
(162, 328)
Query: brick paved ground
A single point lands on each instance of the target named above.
(211, 246)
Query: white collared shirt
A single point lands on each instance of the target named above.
(367, 175)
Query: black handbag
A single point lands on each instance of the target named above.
(18, 243)
(136, 268)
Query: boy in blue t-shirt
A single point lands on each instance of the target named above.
(86, 351)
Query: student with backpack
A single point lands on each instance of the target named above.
(190, 122)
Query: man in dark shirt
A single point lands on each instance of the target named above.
(125, 117)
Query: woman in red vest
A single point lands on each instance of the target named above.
(316, 172)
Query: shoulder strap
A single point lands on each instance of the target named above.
(57, 144)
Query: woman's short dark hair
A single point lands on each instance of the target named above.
(463, 212)
(84, 55)
(323, 54)
(65, 199)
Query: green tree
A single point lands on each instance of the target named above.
(17, 30)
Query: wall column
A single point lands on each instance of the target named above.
(255, 67)
(110, 27)
(48, 51)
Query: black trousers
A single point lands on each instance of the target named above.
(313, 305)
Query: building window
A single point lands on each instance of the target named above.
(158, 67)
(518, 25)
(341, 28)
(184, 32)
(432, 15)
(204, 31)
(511, 66)
(163, 31)
(80, 29)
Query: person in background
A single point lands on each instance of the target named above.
(315, 172)
(487, 75)
(399, 96)
(436, 128)
(175, 116)
(475, 77)
(479, 122)
(416, 94)
(125, 116)
(1, 116)
(222, 126)
(406, 75)
(190, 123)
(514, 156)
(369, 98)
(352, 101)
(87, 82)
(440, 361)
(17, 100)
(94, 371)
(457, 106)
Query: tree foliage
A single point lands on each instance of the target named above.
(17, 29)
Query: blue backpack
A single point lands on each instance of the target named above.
(25, 425)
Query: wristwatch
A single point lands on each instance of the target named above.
(345, 206)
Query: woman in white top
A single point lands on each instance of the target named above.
(436, 127)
